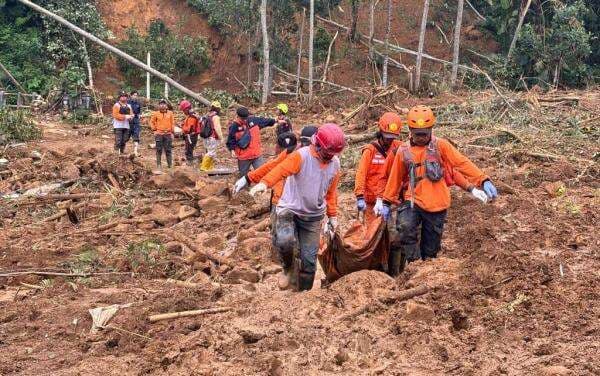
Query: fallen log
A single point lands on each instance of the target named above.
(188, 243)
(175, 315)
(257, 211)
(398, 297)
(187, 284)
(318, 81)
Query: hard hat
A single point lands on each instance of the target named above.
(123, 94)
(390, 125)
(421, 117)
(331, 138)
(288, 141)
(185, 105)
(283, 108)
(216, 104)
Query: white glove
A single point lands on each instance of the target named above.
(258, 188)
(378, 208)
(480, 195)
(239, 185)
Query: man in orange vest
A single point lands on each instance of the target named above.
(311, 177)
(162, 122)
(244, 140)
(190, 129)
(418, 178)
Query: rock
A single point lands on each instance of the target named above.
(3, 163)
(239, 274)
(419, 312)
(251, 336)
(341, 356)
(209, 188)
(36, 155)
(69, 172)
(161, 180)
(212, 204)
(556, 371)
(275, 367)
(174, 247)
(186, 211)
(273, 269)
(185, 177)
(555, 189)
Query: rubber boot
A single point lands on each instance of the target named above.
(305, 281)
(136, 146)
(396, 263)
(284, 280)
(207, 163)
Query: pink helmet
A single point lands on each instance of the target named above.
(331, 138)
(185, 105)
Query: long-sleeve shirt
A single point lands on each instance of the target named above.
(119, 119)
(428, 195)
(136, 107)
(310, 187)
(162, 122)
(255, 176)
(371, 175)
(236, 131)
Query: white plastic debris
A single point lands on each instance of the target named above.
(102, 315)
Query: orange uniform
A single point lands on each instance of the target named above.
(116, 112)
(371, 174)
(255, 176)
(162, 122)
(430, 196)
(298, 161)
(191, 125)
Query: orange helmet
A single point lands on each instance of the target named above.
(421, 117)
(390, 124)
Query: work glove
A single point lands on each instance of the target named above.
(240, 184)
(490, 190)
(378, 208)
(480, 195)
(386, 212)
(258, 188)
(361, 204)
(330, 226)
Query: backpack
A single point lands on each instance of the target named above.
(284, 128)
(206, 126)
(124, 110)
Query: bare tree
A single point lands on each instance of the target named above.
(388, 27)
(371, 28)
(457, 26)
(266, 62)
(518, 30)
(421, 45)
(311, 38)
(298, 68)
(353, 27)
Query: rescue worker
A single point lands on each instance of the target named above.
(284, 124)
(212, 142)
(306, 134)
(371, 174)
(190, 129)
(122, 114)
(311, 176)
(162, 123)
(135, 127)
(243, 140)
(418, 178)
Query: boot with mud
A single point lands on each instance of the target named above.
(284, 280)
(396, 263)
(305, 281)
(207, 163)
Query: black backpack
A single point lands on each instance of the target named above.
(124, 110)
(246, 138)
(206, 126)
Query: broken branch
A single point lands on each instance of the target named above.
(175, 315)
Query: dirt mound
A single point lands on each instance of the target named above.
(363, 286)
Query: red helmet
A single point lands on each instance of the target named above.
(185, 105)
(331, 138)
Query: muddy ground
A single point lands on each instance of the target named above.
(514, 291)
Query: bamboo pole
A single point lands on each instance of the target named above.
(175, 315)
(116, 51)
(311, 37)
(266, 60)
(298, 68)
(148, 77)
(386, 59)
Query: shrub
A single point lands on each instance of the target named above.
(17, 126)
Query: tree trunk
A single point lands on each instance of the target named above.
(13, 80)
(299, 65)
(118, 52)
(517, 31)
(148, 76)
(421, 45)
(311, 37)
(354, 5)
(371, 28)
(457, 27)
(388, 27)
(266, 61)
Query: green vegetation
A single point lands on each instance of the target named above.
(558, 43)
(145, 256)
(174, 55)
(17, 126)
(44, 55)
